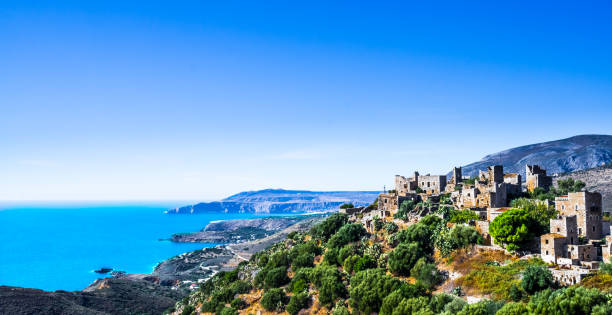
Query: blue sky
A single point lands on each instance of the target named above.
(193, 100)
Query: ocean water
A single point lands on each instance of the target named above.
(57, 247)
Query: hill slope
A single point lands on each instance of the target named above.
(281, 201)
(560, 156)
(597, 179)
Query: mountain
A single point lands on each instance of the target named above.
(597, 179)
(560, 156)
(281, 201)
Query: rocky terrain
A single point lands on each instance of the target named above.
(232, 231)
(597, 179)
(281, 201)
(104, 296)
(560, 156)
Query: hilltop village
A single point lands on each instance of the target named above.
(579, 238)
(491, 244)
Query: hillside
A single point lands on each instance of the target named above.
(281, 201)
(597, 179)
(560, 156)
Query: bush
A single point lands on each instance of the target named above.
(327, 228)
(329, 282)
(512, 308)
(347, 206)
(463, 236)
(403, 258)
(404, 209)
(390, 227)
(463, 216)
(341, 310)
(417, 233)
(303, 260)
(485, 307)
(426, 273)
(363, 263)
(349, 263)
(566, 301)
(276, 277)
(347, 251)
(298, 302)
(347, 234)
(513, 228)
(274, 300)
(536, 278)
(188, 309)
(446, 303)
(238, 303)
(228, 311)
(369, 287)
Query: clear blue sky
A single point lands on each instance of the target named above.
(188, 100)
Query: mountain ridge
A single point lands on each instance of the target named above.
(567, 155)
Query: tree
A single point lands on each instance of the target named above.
(536, 278)
(567, 301)
(512, 308)
(228, 311)
(539, 211)
(426, 273)
(485, 307)
(368, 289)
(513, 228)
(565, 186)
(303, 260)
(363, 263)
(405, 207)
(403, 258)
(274, 300)
(463, 216)
(276, 277)
(462, 236)
(390, 227)
(347, 206)
(417, 233)
(346, 234)
(298, 302)
(328, 227)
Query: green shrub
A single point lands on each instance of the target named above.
(303, 260)
(463, 216)
(329, 226)
(228, 311)
(363, 263)
(188, 310)
(274, 300)
(426, 273)
(512, 308)
(276, 277)
(349, 263)
(566, 301)
(485, 307)
(347, 206)
(341, 310)
(417, 233)
(403, 258)
(238, 303)
(513, 228)
(536, 278)
(297, 302)
(347, 234)
(368, 289)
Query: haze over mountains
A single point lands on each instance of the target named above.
(560, 156)
(282, 201)
(563, 156)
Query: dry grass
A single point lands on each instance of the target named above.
(601, 281)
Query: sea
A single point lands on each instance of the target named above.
(57, 246)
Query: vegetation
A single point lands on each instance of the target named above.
(338, 266)
(347, 206)
(463, 216)
(513, 228)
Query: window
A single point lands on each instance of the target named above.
(546, 241)
(579, 230)
(546, 252)
(428, 184)
(576, 207)
(558, 230)
(562, 207)
(593, 228)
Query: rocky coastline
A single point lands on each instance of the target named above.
(156, 292)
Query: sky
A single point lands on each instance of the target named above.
(197, 100)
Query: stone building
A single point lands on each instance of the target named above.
(586, 206)
(552, 247)
(566, 226)
(513, 184)
(387, 202)
(432, 184)
(536, 177)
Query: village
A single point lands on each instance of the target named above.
(579, 238)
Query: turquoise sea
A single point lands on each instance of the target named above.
(57, 246)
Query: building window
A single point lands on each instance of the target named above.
(562, 207)
(558, 230)
(546, 252)
(546, 241)
(576, 207)
(593, 228)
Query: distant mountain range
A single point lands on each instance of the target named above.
(560, 156)
(281, 201)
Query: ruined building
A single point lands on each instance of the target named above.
(491, 189)
(536, 177)
(586, 206)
